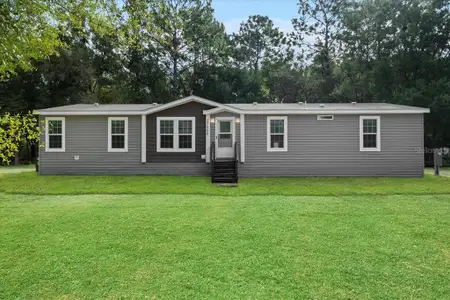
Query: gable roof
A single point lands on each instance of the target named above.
(257, 108)
(121, 109)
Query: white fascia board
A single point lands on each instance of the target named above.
(221, 109)
(89, 113)
(181, 102)
(333, 112)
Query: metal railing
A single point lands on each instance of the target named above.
(236, 158)
(212, 156)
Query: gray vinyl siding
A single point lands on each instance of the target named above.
(236, 126)
(331, 148)
(315, 148)
(87, 137)
(190, 109)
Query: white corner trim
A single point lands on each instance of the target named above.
(285, 135)
(63, 134)
(208, 138)
(110, 148)
(361, 134)
(242, 128)
(175, 134)
(144, 139)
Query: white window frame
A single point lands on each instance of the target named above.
(63, 134)
(285, 148)
(175, 134)
(361, 133)
(110, 148)
(324, 117)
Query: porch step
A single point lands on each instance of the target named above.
(224, 172)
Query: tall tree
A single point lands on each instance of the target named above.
(316, 30)
(399, 52)
(30, 29)
(259, 42)
(183, 32)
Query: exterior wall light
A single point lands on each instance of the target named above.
(212, 120)
(238, 121)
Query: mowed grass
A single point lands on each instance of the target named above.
(33, 184)
(216, 247)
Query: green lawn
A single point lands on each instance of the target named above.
(193, 246)
(31, 183)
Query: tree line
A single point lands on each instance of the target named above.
(58, 52)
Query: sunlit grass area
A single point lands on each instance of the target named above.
(204, 247)
(31, 183)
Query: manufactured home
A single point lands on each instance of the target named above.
(199, 137)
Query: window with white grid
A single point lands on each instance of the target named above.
(175, 134)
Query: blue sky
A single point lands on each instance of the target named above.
(233, 12)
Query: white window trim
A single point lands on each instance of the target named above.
(323, 117)
(63, 134)
(285, 148)
(110, 148)
(175, 134)
(361, 133)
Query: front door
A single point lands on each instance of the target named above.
(225, 137)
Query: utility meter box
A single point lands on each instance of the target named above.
(438, 157)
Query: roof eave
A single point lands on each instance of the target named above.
(319, 112)
(89, 113)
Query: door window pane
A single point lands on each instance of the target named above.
(225, 140)
(225, 126)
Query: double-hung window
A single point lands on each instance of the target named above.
(55, 134)
(369, 139)
(277, 134)
(117, 134)
(175, 134)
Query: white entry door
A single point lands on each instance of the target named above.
(225, 137)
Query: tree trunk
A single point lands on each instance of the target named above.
(175, 78)
(175, 66)
(16, 158)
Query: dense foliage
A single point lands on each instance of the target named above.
(145, 51)
(16, 130)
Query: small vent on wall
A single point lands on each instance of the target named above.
(325, 117)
